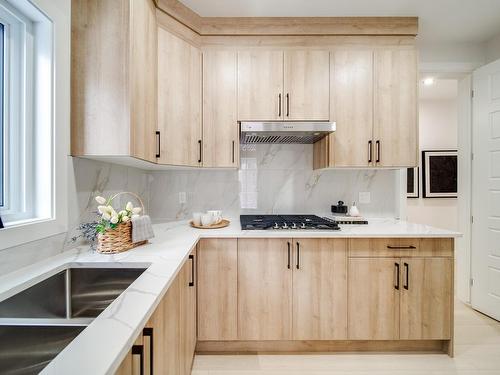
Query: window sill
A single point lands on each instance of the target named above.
(24, 231)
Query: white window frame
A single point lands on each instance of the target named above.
(50, 88)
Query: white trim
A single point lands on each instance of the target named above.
(59, 14)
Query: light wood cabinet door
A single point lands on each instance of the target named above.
(260, 85)
(264, 290)
(426, 298)
(143, 79)
(220, 120)
(306, 85)
(179, 101)
(187, 316)
(319, 289)
(218, 289)
(395, 108)
(373, 299)
(352, 108)
(166, 330)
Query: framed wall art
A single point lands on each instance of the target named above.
(439, 174)
(412, 183)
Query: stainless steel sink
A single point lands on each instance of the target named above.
(40, 321)
(28, 349)
(72, 293)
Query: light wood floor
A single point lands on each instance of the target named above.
(477, 352)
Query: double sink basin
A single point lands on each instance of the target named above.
(40, 321)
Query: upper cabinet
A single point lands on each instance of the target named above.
(306, 85)
(179, 98)
(395, 108)
(260, 85)
(277, 85)
(220, 124)
(374, 105)
(113, 78)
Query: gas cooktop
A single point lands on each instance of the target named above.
(261, 222)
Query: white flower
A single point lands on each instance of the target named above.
(125, 218)
(136, 210)
(102, 209)
(129, 206)
(106, 216)
(135, 216)
(100, 200)
(114, 219)
(123, 213)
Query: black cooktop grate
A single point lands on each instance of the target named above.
(262, 222)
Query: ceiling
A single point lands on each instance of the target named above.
(440, 21)
(442, 89)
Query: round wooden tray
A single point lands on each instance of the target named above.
(222, 224)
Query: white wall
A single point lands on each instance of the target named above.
(492, 49)
(438, 130)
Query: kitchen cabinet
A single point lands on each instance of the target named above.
(218, 289)
(306, 94)
(352, 108)
(319, 289)
(138, 359)
(113, 78)
(188, 313)
(220, 121)
(426, 298)
(373, 299)
(260, 85)
(289, 85)
(179, 97)
(374, 105)
(264, 289)
(395, 125)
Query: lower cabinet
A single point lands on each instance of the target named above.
(167, 343)
(400, 298)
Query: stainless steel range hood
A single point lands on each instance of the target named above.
(284, 132)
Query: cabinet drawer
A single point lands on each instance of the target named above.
(400, 247)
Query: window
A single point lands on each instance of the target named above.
(28, 114)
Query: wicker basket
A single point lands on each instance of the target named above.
(118, 240)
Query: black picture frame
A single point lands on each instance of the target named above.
(412, 183)
(440, 174)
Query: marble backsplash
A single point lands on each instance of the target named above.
(272, 179)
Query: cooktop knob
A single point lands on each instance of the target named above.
(303, 226)
(294, 226)
(276, 226)
(285, 226)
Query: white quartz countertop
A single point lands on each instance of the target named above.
(100, 348)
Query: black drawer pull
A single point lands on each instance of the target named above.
(407, 273)
(298, 255)
(191, 258)
(370, 151)
(288, 266)
(158, 144)
(139, 350)
(409, 247)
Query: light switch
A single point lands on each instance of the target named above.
(182, 197)
(364, 197)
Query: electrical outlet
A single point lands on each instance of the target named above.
(364, 197)
(182, 197)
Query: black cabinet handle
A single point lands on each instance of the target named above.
(148, 332)
(191, 258)
(396, 265)
(158, 144)
(233, 152)
(407, 274)
(378, 151)
(370, 151)
(279, 105)
(199, 144)
(287, 105)
(288, 266)
(298, 255)
(409, 247)
(139, 350)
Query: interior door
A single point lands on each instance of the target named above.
(352, 108)
(319, 289)
(220, 122)
(260, 85)
(395, 108)
(179, 101)
(373, 298)
(264, 289)
(426, 298)
(306, 85)
(485, 260)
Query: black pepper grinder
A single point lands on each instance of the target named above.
(340, 208)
